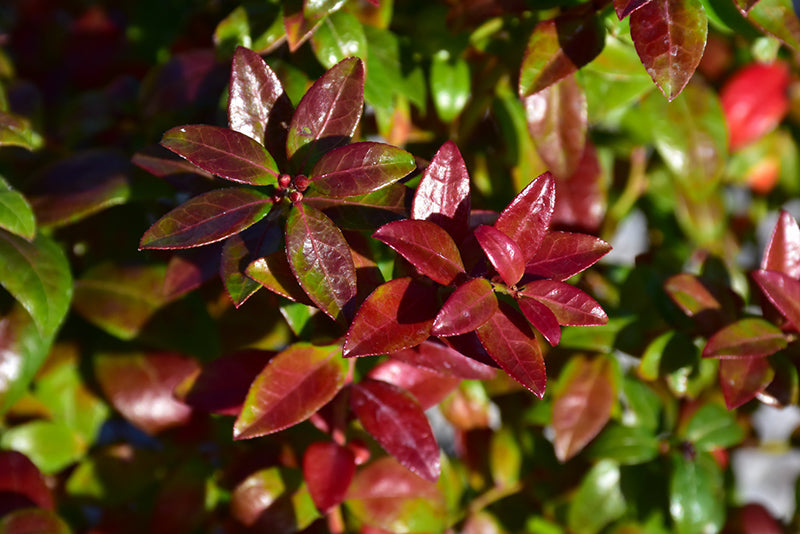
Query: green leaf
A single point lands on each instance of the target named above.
(50, 445)
(598, 501)
(626, 445)
(505, 457)
(16, 214)
(776, 17)
(696, 495)
(17, 131)
(339, 36)
(713, 426)
(747, 338)
(450, 85)
(257, 26)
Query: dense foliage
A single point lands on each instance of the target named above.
(362, 266)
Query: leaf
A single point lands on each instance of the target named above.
(541, 318)
(626, 7)
(570, 305)
(363, 212)
(16, 215)
(17, 131)
(37, 275)
(450, 85)
(426, 246)
(339, 36)
(427, 386)
(582, 404)
(782, 253)
(328, 113)
(321, 261)
(582, 196)
(22, 484)
(691, 295)
(598, 501)
(328, 469)
(558, 47)
(360, 168)
(257, 26)
(273, 500)
(670, 36)
(504, 254)
(238, 252)
(316, 9)
(562, 255)
(443, 359)
(33, 521)
(783, 292)
(189, 269)
(626, 445)
(558, 121)
(527, 218)
(395, 419)
(746, 338)
(140, 385)
(51, 445)
(696, 494)
(742, 379)
(510, 342)
(297, 27)
(295, 383)
(396, 316)
(776, 17)
(470, 305)
(711, 427)
(442, 196)
(274, 272)
(207, 218)
(223, 152)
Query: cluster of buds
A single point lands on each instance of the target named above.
(291, 188)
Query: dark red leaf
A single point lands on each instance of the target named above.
(783, 292)
(504, 254)
(470, 305)
(328, 469)
(470, 346)
(746, 338)
(509, 340)
(446, 360)
(670, 36)
(563, 254)
(527, 218)
(396, 316)
(33, 521)
(294, 384)
(626, 7)
(395, 419)
(223, 152)
(360, 168)
(21, 484)
(741, 379)
(321, 261)
(163, 163)
(427, 386)
(542, 319)
(581, 197)
(442, 195)
(426, 246)
(274, 272)
(754, 518)
(570, 305)
(190, 269)
(783, 250)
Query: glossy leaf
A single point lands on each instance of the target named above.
(527, 217)
(570, 305)
(443, 195)
(257, 26)
(470, 305)
(295, 384)
(339, 36)
(395, 419)
(364, 212)
(626, 7)
(328, 113)
(582, 203)
(450, 85)
(360, 168)
(711, 427)
(783, 292)
(504, 254)
(297, 27)
(23, 349)
(33, 521)
(446, 360)
(599, 499)
(782, 253)
(274, 272)
(742, 379)
(223, 152)
(328, 469)
(541, 318)
(273, 500)
(207, 218)
(563, 254)
(396, 316)
(776, 17)
(696, 495)
(746, 338)
(22, 484)
(626, 445)
(51, 445)
(582, 404)
(670, 36)
(426, 246)
(163, 163)
(321, 261)
(427, 386)
(235, 258)
(16, 215)
(510, 342)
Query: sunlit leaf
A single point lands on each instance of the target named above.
(783, 292)
(741, 379)
(339, 36)
(274, 272)
(360, 168)
(541, 318)
(364, 212)
(503, 253)
(297, 27)
(273, 500)
(564, 254)
(527, 217)
(746, 338)
(570, 305)
(427, 386)
(238, 252)
(443, 359)
(16, 215)
(696, 495)
(776, 17)
(17, 131)
(450, 85)
(470, 305)
(257, 26)
(51, 445)
(328, 469)
(626, 7)
(599, 499)
(782, 253)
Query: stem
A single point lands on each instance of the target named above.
(335, 520)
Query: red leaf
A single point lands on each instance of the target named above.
(274, 272)
(563, 255)
(426, 246)
(746, 338)
(226, 153)
(446, 360)
(783, 292)
(581, 197)
(509, 340)
(397, 422)
(190, 269)
(741, 379)
(755, 100)
(396, 316)
(364, 212)
(541, 318)
(427, 386)
(470, 305)
(670, 36)
(360, 168)
(295, 384)
(626, 7)
(754, 518)
(297, 27)
(21, 484)
(442, 195)
(33, 521)
(328, 469)
(691, 294)
(470, 346)
(527, 218)
(504, 254)
(140, 386)
(321, 261)
(570, 305)
(582, 405)
(783, 250)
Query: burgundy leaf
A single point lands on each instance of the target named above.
(741, 379)
(396, 316)
(294, 385)
(443, 359)
(470, 346)
(509, 340)
(360, 168)
(570, 305)
(504, 254)
(691, 294)
(626, 7)
(238, 252)
(328, 469)
(207, 218)
(328, 113)
(470, 305)
(274, 272)
(542, 319)
(426, 246)
(21, 484)
(397, 422)
(558, 121)
(670, 36)
(189, 269)
(163, 163)
(581, 197)
(783, 292)
(321, 261)
(562, 255)
(527, 218)
(442, 195)
(427, 386)
(364, 212)
(746, 338)
(226, 153)
(783, 250)
(754, 518)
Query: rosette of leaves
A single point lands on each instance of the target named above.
(482, 289)
(289, 165)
